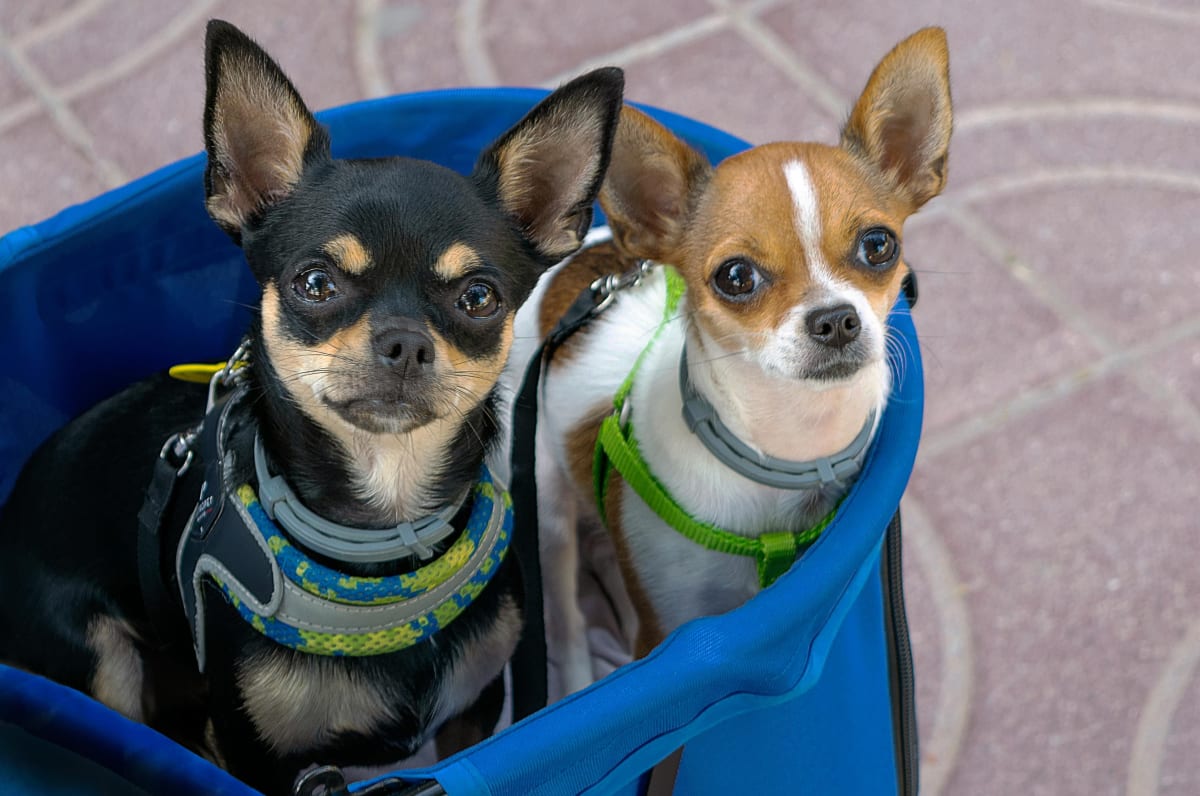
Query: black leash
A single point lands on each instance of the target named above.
(529, 660)
(162, 509)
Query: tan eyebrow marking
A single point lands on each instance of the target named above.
(456, 261)
(349, 254)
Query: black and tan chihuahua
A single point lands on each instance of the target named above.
(343, 562)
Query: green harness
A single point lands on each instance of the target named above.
(617, 449)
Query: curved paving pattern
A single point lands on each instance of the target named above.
(1052, 517)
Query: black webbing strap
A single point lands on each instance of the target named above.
(162, 517)
(529, 660)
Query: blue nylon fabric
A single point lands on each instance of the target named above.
(110, 291)
(132, 751)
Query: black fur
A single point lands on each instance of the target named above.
(68, 533)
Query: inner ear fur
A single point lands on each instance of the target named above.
(647, 195)
(902, 122)
(258, 133)
(546, 171)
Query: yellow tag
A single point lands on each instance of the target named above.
(195, 372)
(198, 372)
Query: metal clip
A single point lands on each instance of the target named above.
(177, 451)
(230, 374)
(607, 286)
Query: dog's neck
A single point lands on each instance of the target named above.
(784, 418)
(363, 479)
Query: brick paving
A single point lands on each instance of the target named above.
(1052, 519)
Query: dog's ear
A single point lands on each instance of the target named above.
(901, 123)
(651, 181)
(546, 171)
(257, 131)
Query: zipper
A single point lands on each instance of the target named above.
(900, 664)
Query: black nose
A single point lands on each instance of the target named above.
(834, 326)
(405, 346)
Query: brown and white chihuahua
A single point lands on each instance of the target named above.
(791, 258)
(389, 289)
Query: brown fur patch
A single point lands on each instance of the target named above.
(649, 187)
(349, 253)
(569, 281)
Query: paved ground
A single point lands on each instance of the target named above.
(1053, 554)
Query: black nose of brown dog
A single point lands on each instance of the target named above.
(405, 346)
(834, 326)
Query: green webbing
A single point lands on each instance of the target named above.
(773, 552)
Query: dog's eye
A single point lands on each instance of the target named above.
(736, 279)
(315, 284)
(877, 249)
(479, 300)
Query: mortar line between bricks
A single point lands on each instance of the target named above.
(1077, 317)
(64, 118)
(935, 443)
(645, 48)
(1145, 11)
(168, 35)
(778, 53)
(58, 23)
(998, 249)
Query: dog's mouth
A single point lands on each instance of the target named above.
(834, 367)
(383, 414)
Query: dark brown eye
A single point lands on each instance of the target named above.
(736, 279)
(315, 285)
(479, 300)
(877, 249)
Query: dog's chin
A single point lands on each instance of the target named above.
(383, 416)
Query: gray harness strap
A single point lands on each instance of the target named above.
(703, 421)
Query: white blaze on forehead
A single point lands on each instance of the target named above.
(808, 215)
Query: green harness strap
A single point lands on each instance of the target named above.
(616, 448)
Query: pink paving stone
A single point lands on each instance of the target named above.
(1112, 248)
(531, 41)
(1073, 529)
(19, 17)
(926, 638)
(417, 49)
(984, 339)
(12, 89)
(723, 81)
(102, 38)
(1017, 51)
(1150, 141)
(48, 175)
(1178, 365)
(167, 97)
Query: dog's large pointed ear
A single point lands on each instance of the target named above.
(258, 133)
(901, 123)
(546, 171)
(651, 182)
